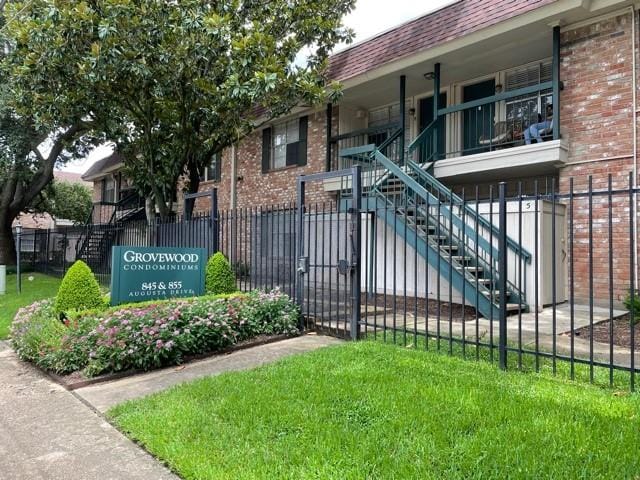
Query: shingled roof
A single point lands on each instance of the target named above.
(101, 166)
(435, 28)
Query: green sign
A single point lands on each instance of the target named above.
(140, 274)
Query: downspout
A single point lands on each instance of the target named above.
(635, 137)
(233, 197)
(403, 119)
(233, 203)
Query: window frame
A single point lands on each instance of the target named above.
(213, 171)
(295, 151)
(106, 181)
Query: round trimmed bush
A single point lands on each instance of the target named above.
(219, 277)
(79, 290)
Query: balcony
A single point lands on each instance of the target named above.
(501, 135)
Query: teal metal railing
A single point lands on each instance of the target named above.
(483, 130)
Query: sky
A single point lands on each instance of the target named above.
(367, 19)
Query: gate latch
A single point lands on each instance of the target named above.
(303, 265)
(344, 267)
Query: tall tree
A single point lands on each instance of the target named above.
(29, 150)
(172, 83)
(66, 200)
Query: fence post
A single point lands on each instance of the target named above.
(215, 220)
(64, 253)
(301, 264)
(46, 259)
(502, 272)
(356, 233)
(18, 249)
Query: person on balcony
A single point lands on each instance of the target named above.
(537, 130)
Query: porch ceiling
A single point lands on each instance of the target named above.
(515, 48)
(492, 53)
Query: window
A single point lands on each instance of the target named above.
(213, 171)
(527, 109)
(284, 135)
(108, 189)
(284, 144)
(384, 116)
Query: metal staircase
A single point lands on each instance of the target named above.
(95, 242)
(444, 230)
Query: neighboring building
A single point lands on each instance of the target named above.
(113, 194)
(499, 66)
(43, 221)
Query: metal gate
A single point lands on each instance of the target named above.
(328, 237)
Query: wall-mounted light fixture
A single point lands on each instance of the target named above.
(412, 112)
(499, 88)
(429, 76)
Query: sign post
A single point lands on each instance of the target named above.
(140, 274)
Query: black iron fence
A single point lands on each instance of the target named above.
(530, 276)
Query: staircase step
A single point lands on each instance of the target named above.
(472, 269)
(496, 295)
(514, 307)
(441, 239)
(430, 230)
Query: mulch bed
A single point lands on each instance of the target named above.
(621, 332)
(77, 380)
(456, 309)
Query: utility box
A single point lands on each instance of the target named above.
(532, 225)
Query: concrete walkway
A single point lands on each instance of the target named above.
(48, 434)
(547, 335)
(105, 395)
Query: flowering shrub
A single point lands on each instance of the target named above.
(36, 331)
(153, 334)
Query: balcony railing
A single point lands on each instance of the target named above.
(488, 124)
(492, 123)
(360, 138)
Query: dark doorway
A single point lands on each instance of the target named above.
(426, 117)
(477, 122)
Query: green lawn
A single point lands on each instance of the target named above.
(369, 410)
(42, 286)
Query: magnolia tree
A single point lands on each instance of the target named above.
(172, 83)
(29, 148)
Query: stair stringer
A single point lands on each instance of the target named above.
(428, 252)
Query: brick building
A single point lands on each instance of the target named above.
(501, 67)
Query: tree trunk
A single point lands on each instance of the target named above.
(150, 209)
(194, 186)
(7, 246)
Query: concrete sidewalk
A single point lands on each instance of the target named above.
(103, 396)
(46, 433)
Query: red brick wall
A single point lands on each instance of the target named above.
(597, 123)
(256, 189)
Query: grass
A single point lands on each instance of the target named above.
(526, 361)
(370, 410)
(42, 286)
